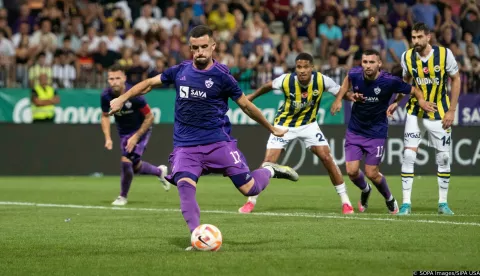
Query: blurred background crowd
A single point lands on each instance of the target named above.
(73, 42)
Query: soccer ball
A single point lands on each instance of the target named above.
(206, 237)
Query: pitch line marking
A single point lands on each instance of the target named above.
(270, 214)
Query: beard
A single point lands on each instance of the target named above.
(419, 48)
(370, 74)
(201, 63)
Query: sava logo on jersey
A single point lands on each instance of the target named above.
(187, 92)
(371, 99)
(426, 81)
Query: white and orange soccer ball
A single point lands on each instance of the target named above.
(206, 237)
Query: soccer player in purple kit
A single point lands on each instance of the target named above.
(202, 140)
(368, 127)
(134, 122)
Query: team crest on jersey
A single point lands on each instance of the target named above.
(315, 92)
(377, 90)
(209, 83)
(436, 68)
(128, 104)
(425, 70)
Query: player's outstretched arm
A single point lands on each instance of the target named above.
(267, 87)
(427, 106)
(147, 123)
(337, 104)
(140, 88)
(253, 112)
(105, 121)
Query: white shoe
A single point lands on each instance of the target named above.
(165, 183)
(120, 201)
(190, 248)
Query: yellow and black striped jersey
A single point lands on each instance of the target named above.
(301, 103)
(431, 76)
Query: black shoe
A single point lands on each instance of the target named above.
(363, 204)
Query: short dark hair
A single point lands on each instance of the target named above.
(116, 67)
(370, 52)
(420, 26)
(304, 56)
(200, 30)
(397, 70)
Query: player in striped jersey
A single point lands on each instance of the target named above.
(429, 67)
(303, 91)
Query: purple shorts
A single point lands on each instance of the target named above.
(221, 157)
(356, 146)
(138, 150)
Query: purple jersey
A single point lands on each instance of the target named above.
(369, 119)
(201, 103)
(131, 116)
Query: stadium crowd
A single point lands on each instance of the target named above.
(73, 42)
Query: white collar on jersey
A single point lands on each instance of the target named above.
(304, 86)
(424, 59)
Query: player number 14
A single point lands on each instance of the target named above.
(236, 156)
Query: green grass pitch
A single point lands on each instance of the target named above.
(297, 229)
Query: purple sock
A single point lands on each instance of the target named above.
(188, 204)
(126, 179)
(262, 179)
(382, 187)
(147, 168)
(360, 181)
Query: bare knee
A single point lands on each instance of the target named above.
(372, 173)
(353, 172)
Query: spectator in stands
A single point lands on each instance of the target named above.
(330, 36)
(377, 42)
(146, 21)
(222, 21)
(39, 68)
(281, 10)
(104, 58)
(85, 65)
(169, 21)
(223, 56)
(333, 69)
(137, 71)
(425, 11)
(471, 20)
(474, 76)
(395, 47)
(43, 100)
(25, 17)
(400, 17)
(468, 41)
(112, 40)
(348, 47)
(22, 60)
(63, 73)
(303, 23)
(449, 23)
(243, 74)
(43, 40)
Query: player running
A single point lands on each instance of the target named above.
(303, 92)
(368, 126)
(202, 140)
(134, 122)
(429, 67)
